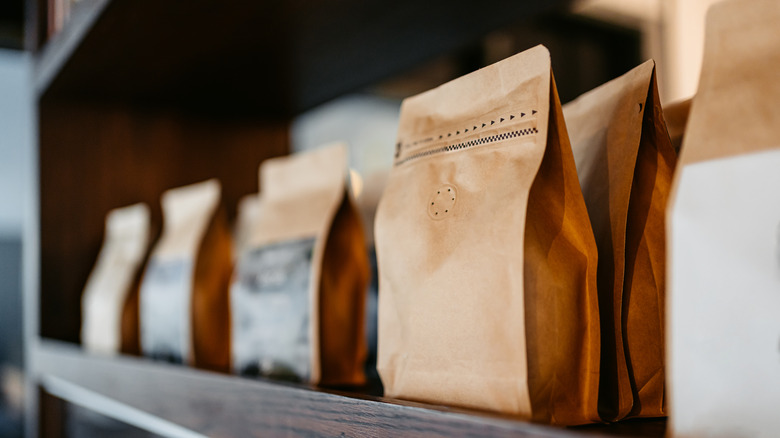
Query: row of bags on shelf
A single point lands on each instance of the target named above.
(526, 251)
(282, 295)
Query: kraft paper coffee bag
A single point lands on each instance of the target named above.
(724, 234)
(625, 162)
(487, 261)
(298, 292)
(110, 300)
(183, 299)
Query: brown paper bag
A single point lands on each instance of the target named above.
(487, 261)
(298, 293)
(183, 298)
(625, 162)
(110, 300)
(724, 234)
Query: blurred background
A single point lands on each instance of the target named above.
(16, 130)
(591, 41)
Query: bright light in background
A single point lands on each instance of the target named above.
(367, 124)
(672, 33)
(684, 44)
(356, 183)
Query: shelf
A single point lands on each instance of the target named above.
(56, 53)
(273, 58)
(179, 401)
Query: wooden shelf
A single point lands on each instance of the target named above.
(178, 401)
(271, 58)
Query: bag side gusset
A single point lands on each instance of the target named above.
(645, 284)
(560, 287)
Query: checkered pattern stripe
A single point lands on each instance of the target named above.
(469, 144)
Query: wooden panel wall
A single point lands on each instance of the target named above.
(94, 158)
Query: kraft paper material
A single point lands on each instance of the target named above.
(183, 298)
(298, 294)
(487, 261)
(110, 300)
(625, 162)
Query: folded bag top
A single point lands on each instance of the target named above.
(486, 257)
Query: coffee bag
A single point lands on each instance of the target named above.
(625, 162)
(299, 290)
(110, 300)
(487, 261)
(183, 299)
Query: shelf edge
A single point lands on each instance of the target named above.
(197, 402)
(56, 52)
(109, 407)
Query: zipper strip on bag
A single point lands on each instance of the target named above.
(466, 144)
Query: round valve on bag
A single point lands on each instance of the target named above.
(442, 202)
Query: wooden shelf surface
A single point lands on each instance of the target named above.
(179, 401)
(269, 57)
